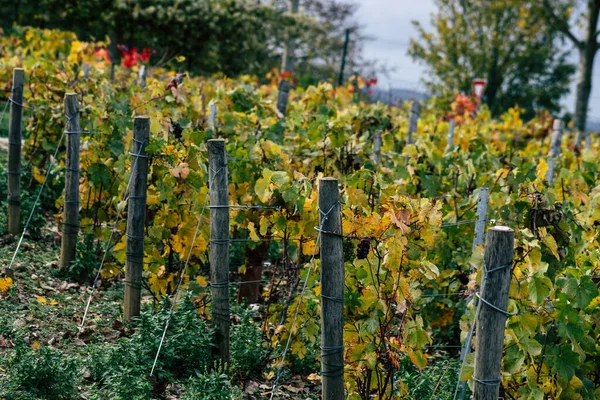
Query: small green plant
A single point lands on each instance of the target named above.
(436, 381)
(45, 373)
(212, 385)
(122, 370)
(247, 349)
(86, 262)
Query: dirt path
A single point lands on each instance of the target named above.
(3, 144)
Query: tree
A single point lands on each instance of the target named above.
(557, 13)
(500, 40)
(216, 36)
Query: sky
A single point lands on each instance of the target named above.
(388, 23)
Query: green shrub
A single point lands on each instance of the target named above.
(436, 381)
(86, 262)
(122, 370)
(46, 373)
(247, 349)
(212, 385)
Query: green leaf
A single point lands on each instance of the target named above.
(513, 359)
(539, 288)
(564, 362)
(583, 291)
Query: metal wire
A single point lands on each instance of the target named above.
(287, 345)
(469, 338)
(108, 244)
(187, 261)
(35, 203)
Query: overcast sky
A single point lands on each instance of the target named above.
(389, 23)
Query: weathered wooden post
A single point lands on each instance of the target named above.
(482, 204)
(14, 152)
(71, 206)
(142, 74)
(287, 64)
(478, 239)
(136, 218)
(450, 141)
(376, 155)
(491, 318)
(344, 55)
(415, 111)
(554, 151)
(219, 243)
(212, 118)
(86, 70)
(332, 292)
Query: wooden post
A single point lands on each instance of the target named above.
(450, 141)
(491, 319)
(554, 151)
(287, 64)
(219, 244)
(477, 240)
(332, 292)
(376, 156)
(415, 110)
(136, 218)
(71, 206)
(14, 152)
(588, 141)
(484, 194)
(142, 74)
(86, 70)
(212, 117)
(344, 55)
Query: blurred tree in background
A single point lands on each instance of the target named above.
(502, 41)
(561, 14)
(216, 36)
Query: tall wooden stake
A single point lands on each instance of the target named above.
(142, 74)
(14, 152)
(71, 207)
(287, 64)
(376, 155)
(450, 141)
(344, 55)
(86, 70)
(554, 151)
(136, 218)
(219, 243)
(478, 239)
(332, 292)
(415, 111)
(482, 204)
(212, 119)
(491, 320)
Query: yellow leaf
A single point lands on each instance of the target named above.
(36, 345)
(41, 300)
(540, 171)
(575, 382)
(252, 231)
(5, 284)
(263, 189)
(314, 377)
(264, 225)
(200, 280)
(269, 376)
(418, 358)
(551, 243)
